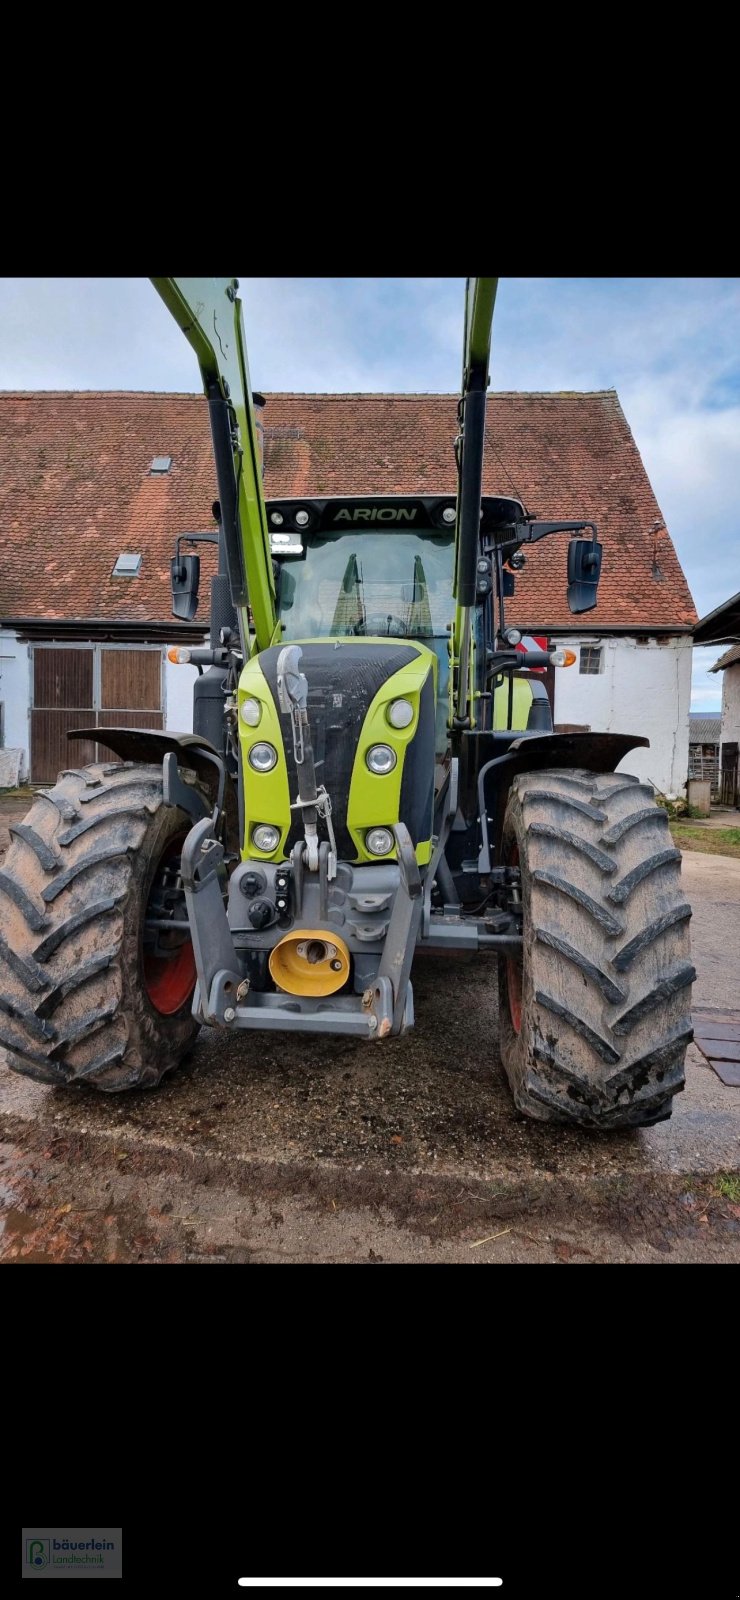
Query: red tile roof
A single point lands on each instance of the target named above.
(75, 491)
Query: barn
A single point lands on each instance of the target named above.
(722, 626)
(95, 488)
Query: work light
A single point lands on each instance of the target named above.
(266, 837)
(400, 713)
(262, 757)
(379, 841)
(251, 712)
(381, 759)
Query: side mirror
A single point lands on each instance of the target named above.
(185, 582)
(584, 571)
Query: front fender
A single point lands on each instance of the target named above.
(150, 744)
(596, 752)
(190, 749)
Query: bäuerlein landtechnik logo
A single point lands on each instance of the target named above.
(83, 1551)
(67, 1552)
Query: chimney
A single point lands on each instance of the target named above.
(258, 402)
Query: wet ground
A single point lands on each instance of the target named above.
(275, 1149)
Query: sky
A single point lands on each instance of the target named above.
(669, 346)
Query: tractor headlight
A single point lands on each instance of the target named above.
(400, 713)
(262, 757)
(379, 841)
(266, 837)
(381, 759)
(251, 712)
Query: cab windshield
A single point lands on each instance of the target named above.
(390, 584)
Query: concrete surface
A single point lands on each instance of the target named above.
(274, 1149)
(719, 817)
(713, 888)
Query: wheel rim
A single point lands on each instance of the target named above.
(169, 980)
(513, 966)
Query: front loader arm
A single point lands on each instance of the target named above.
(209, 313)
(480, 297)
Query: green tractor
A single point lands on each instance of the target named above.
(373, 774)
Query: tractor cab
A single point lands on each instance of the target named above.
(379, 568)
(383, 567)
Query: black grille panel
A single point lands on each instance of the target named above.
(343, 680)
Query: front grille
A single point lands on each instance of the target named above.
(343, 680)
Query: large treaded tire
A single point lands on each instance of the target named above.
(603, 991)
(73, 894)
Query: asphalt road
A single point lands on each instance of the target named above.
(275, 1149)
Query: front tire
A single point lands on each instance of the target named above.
(595, 1019)
(81, 999)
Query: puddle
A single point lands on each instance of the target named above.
(14, 1226)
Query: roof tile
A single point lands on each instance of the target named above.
(75, 490)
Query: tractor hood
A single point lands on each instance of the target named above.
(352, 683)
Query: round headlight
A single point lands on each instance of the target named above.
(379, 841)
(448, 515)
(381, 759)
(251, 712)
(400, 713)
(276, 518)
(263, 757)
(266, 837)
(301, 518)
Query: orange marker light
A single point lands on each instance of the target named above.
(177, 655)
(562, 658)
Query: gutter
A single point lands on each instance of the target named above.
(106, 629)
(591, 626)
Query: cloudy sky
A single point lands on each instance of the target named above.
(669, 346)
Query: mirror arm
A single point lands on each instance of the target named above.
(193, 538)
(529, 532)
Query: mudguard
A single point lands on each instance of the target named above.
(150, 744)
(596, 752)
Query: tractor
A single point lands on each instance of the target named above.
(373, 774)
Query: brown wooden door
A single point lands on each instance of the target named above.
(130, 691)
(89, 686)
(130, 680)
(62, 699)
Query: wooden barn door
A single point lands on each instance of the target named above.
(130, 690)
(62, 698)
(89, 685)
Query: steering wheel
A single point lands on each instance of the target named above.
(382, 623)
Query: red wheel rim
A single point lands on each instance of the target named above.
(514, 967)
(514, 991)
(169, 981)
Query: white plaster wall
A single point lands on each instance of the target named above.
(178, 697)
(644, 689)
(731, 704)
(15, 693)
